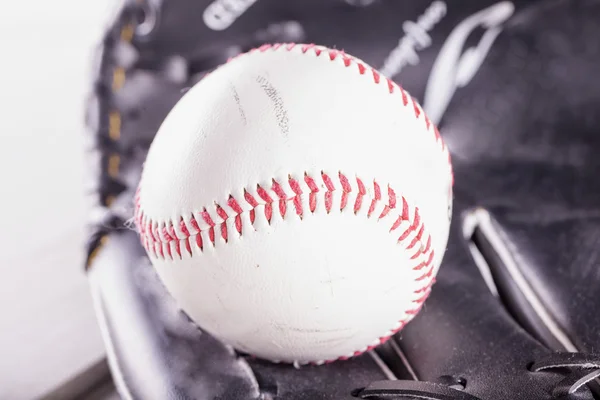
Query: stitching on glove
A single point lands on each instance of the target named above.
(191, 234)
(113, 161)
(114, 118)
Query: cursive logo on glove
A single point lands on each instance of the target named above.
(416, 38)
(454, 68)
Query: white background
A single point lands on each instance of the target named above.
(48, 329)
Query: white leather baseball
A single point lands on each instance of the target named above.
(295, 203)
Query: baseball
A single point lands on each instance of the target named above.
(296, 204)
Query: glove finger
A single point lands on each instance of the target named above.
(517, 280)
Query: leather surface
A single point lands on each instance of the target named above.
(538, 155)
(523, 133)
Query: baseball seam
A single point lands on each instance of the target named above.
(191, 234)
(325, 193)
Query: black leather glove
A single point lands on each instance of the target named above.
(512, 87)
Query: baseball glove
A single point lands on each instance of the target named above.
(511, 86)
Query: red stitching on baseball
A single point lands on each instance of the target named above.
(391, 87)
(188, 247)
(194, 224)
(312, 200)
(404, 97)
(183, 227)
(233, 204)
(206, 217)
(428, 245)
(295, 186)
(424, 296)
(250, 199)
(199, 241)
(346, 189)
(168, 233)
(262, 193)
(361, 193)
(282, 198)
(329, 192)
(211, 234)
(169, 250)
(220, 212)
(392, 196)
(306, 47)
(347, 61)
(376, 76)
(160, 250)
(376, 198)
(416, 239)
(416, 108)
